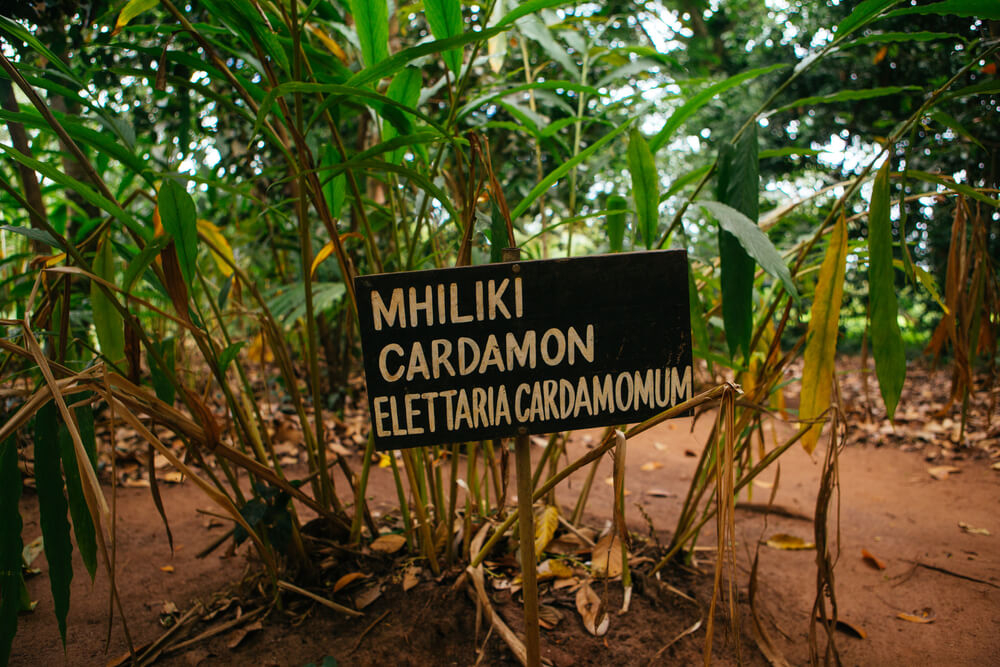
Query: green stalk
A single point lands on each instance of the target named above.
(426, 537)
(359, 491)
(404, 506)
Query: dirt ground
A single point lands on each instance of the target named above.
(928, 530)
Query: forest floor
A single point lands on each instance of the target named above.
(914, 534)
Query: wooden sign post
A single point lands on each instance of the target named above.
(524, 347)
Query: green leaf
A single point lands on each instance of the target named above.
(227, 355)
(866, 12)
(445, 20)
(952, 123)
(890, 37)
(164, 388)
(107, 320)
(404, 89)
(887, 339)
(177, 214)
(83, 522)
(137, 265)
(699, 329)
(845, 96)
(952, 185)
(563, 169)
(615, 222)
(36, 235)
(821, 337)
(534, 28)
(701, 99)
(645, 186)
(52, 509)
(737, 177)
(334, 187)
(986, 10)
(755, 242)
(398, 61)
(130, 11)
(498, 233)
(371, 20)
(82, 189)
(10, 546)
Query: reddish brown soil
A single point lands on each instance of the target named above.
(889, 505)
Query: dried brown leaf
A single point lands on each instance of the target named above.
(941, 472)
(347, 580)
(388, 544)
(548, 616)
(872, 559)
(411, 577)
(545, 528)
(242, 633)
(650, 466)
(591, 609)
(606, 557)
(367, 595)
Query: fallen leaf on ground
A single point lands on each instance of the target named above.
(972, 529)
(650, 466)
(762, 484)
(788, 542)
(347, 580)
(174, 477)
(690, 453)
(567, 545)
(367, 595)
(388, 544)
(659, 493)
(554, 568)
(411, 577)
(606, 558)
(925, 615)
(660, 446)
(851, 629)
(241, 634)
(996, 466)
(548, 616)
(872, 559)
(591, 609)
(942, 472)
(169, 569)
(32, 549)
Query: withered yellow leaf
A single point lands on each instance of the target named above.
(650, 466)
(545, 528)
(221, 250)
(553, 568)
(821, 338)
(788, 542)
(924, 616)
(323, 253)
(591, 610)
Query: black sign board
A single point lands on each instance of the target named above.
(477, 352)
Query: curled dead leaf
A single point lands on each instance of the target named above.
(972, 529)
(788, 542)
(411, 577)
(367, 595)
(941, 473)
(591, 609)
(347, 580)
(388, 544)
(606, 557)
(650, 466)
(923, 616)
(872, 560)
(169, 569)
(242, 634)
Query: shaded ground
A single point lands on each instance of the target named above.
(898, 505)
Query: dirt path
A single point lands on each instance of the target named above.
(890, 506)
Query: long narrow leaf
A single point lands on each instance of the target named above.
(177, 214)
(701, 99)
(563, 169)
(866, 12)
(821, 338)
(887, 339)
(616, 222)
(371, 19)
(645, 186)
(987, 10)
(107, 320)
(52, 509)
(10, 545)
(83, 523)
(845, 96)
(445, 20)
